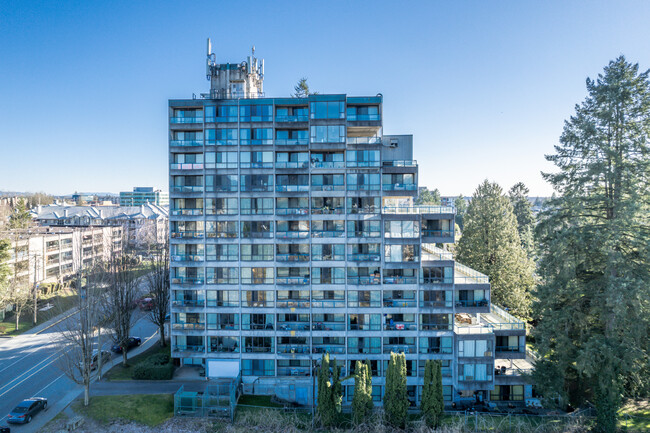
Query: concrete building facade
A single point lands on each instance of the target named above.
(144, 195)
(293, 233)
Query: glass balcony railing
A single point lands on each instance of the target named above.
(189, 325)
(363, 164)
(400, 280)
(364, 187)
(223, 349)
(256, 141)
(327, 303)
(291, 211)
(188, 348)
(400, 163)
(328, 233)
(328, 211)
(397, 348)
(256, 165)
(465, 303)
(437, 280)
(364, 257)
(437, 350)
(186, 120)
(260, 188)
(221, 258)
(260, 280)
(401, 326)
(328, 326)
(291, 164)
(335, 187)
(256, 257)
(187, 212)
(221, 188)
(296, 257)
(363, 281)
(437, 233)
(188, 302)
(366, 350)
(293, 303)
(363, 117)
(186, 189)
(399, 187)
(398, 303)
(222, 142)
(219, 165)
(364, 140)
(364, 327)
(186, 143)
(292, 234)
(293, 348)
(291, 141)
(297, 118)
(291, 280)
(292, 188)
(364, 234)
(223, 119)
(187, 280)
(511, 349)
(328, 164)
(186, 166)
(293, 326)
(329, 349)
(186, 258)
(417, 210)
(257, 235)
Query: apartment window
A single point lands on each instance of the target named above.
(507, 393)
(257, 229)
(256, 160)
(256, 206)
(363, 158)
(258, 367)
(363, 182)
(439, 345)
(475, 372)
(224, 344)
(221, 183)
(366, 229)
(258, 298)
(222, 252)
(364, 298)
(320, 252)
(221, 159)
(327, 206)
(327, 110)
(364, 345)
(210, 113)
(256, 252)
(364, 112)
(401, 229)
(363, 205)
(446, 367)
(364, 275)
(364, 322)
(292, 205)
(401, 253)
(256, 136)
(256, 113)
(258, 344)
(222, 298)
(224, 136)
(327, 160)
(221, 206)
(435, 322)
(328, 298)
(291, 160)
(222, 275)
(227, 113)
(435, 298)
(327, 134)
(257, 322)
(221, 229)
(398, 182)
(292, 252)
(291, 137)
(328, 276)
(327, 182)
(224, 321)
(256, 182)
(257, 275)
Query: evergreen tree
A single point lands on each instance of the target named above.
(490, 244)
(330, 396)
(20, 218)
(361, 399)
(523, 210)
(592, 308)
(301, 90)
(461, 208)
(432, 402)
(396, 402)
(426, 197)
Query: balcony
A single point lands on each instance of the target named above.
(364, 234)
(364, 257)
(472, 304)
(437, 280)
(364, 327)
(398, 303)
(327, 211)
(292, 119)
(328, 233)
(364, 140)
(186, 166)
(292, 211)
(187, 212)
(328, 326)
(293, 326)
(333, 187)
(401, 326)
(257, 188)
(293, 348)
(183, 120)
(186, 143)
(364, 350)
(339, 350)
(292, 303)
(291, 280)
(292, 188)
(190, 348)
(364, 187)
(363, 117)
(296, 257)
(400, 163)
(255, 257)
(328, 164)
(256, 165)
(187, 280)
(292, 141)
(397, 348)
(186, 189)
(301, 164)
(292, 234)
(363, 164)
(364, 281)
(224, 349)
(417, 210)
(188, 302)
(186, 258)
(400, 280)
(437, 233)
(399, 187)
(511, 349)
(328, 303)
(221, 188)
(199, 326)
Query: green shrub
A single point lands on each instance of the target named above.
(159, 359)
(146, 370)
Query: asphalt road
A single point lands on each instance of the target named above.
(30, 366)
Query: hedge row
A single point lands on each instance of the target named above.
(156, 367)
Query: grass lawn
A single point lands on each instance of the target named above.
(257, 400)
(62, 300)
(120, 373)
(151, 410)
(635, 416)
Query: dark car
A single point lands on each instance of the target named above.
(26, 409)
(94, 361)
(130, 343)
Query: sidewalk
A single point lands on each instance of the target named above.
(55, 407)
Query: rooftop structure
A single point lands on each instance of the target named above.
(144, 195)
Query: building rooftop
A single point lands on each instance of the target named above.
(149, 211)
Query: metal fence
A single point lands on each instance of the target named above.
(219, 399)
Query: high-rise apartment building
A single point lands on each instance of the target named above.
(293, 233)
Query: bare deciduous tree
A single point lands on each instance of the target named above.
(158, 284)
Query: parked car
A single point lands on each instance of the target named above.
(94, 361)
(131, 343)
(26, 409)
(4, 429)
(145, 304)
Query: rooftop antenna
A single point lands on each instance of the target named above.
(253, 50)
(210, 61)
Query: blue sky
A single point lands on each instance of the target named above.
(484, 86)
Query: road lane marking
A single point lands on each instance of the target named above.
(46, 386)
(30, 369)
(46, 365)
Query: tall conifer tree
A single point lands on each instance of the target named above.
(593, 305)
(396, 402)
